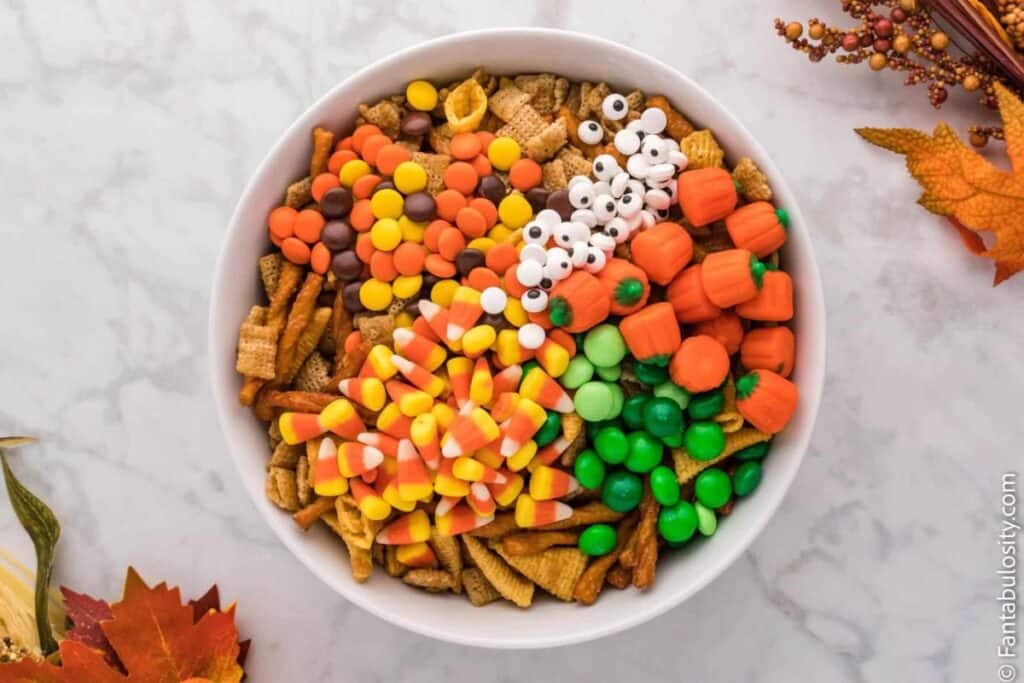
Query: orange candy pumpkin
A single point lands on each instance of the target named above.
(706, 195)
(726, 328)
(769, 348)
(700, 364)
(662, 251)
(688, 299)
(578, 302)
(626, 284)
(731, 277)
(758, 226)
(774, 303)
(652, 333)
(766, 400)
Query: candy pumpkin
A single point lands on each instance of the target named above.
(652, 333)
(766, 400)
(769, 348)
(626, 284)
(578, 302)
(700, 364)
(759, 227)
(688, 299)
(706, 195)
(726, 328)
(662, 251)
(774, 303)
(731, 277)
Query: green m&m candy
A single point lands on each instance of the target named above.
(650, 374)
(664, 485)
(706, 405)
(589, 469)
(713, 488)
(645, 452)
(604, 346)
(675, 392)
(633, 410)
(677, 523)
(550, 430)
(704, 440)
(622, 491)
(611, 444)
(597, 539)
(662, 417)
(746, 478)
(756, 452)
(579, 372)
(592, 428)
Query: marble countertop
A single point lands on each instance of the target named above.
(128, 136)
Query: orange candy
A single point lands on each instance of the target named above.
(482, 165)
(361, 134)
(501, 257)
(363, 187)
(726, 328)
(308, 224)
(465, 146)
(433, 231)
(409, 258)
(481, 278)
(364, 247)
(487, 208)
(449, 243)
(700, 364)
(281, 222)
(471, 222)
(448, 203)
(525, 174)
(320, 258)
(371, 146)
(361, 216)
(462, 177)
(296, 251)
(339, 159)
(390, 156)
(485, 137)
(382, 266)
(322, 183)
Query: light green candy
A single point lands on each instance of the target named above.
(604, 346)
(707, 522)
(618, 401)
(579, 372)
(675, 392)
(611, 374)
(594, 401)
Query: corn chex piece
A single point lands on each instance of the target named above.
(282, 488)
(524, 125)
(449, 554)
(554, 176)
(547, 142)
(286, 456)
(299, 193)
(478, 589)
(574, 162)
(433, 580)
(511, 585)
(556, 570)
(702, 150)
(687, 468)
(270, 271)
(385, 115)
(753, 184)
(257, 346)
(507, 102)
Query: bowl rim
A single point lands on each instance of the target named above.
(811, 386)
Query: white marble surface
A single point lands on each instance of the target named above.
(129, 132)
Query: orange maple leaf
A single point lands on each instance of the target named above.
(155, 638)
(959, 183)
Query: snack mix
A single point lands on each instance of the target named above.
(519, 332)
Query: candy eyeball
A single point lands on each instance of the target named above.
(627, 141)
(661, 214)
(549, 218)
(595, 260)
(590, 132)
(629, 205)
(578, 254)
(618, 229)
(604, 208)
(602, 187)
(531, 336)
(657, 199)
(564, 236)
(637, 166)
(605, 167)
(678, 159)
(558, 266)
(635, 126)
(602, 241)
(635, 222)
(581, 195)
(653, 149)
(615, 107)
(619, 184)
(493, 300)
(584, 216)
(579, 180)
(529, 273)
(546, 283)
(673, 196)
(580, 231)
(533, 252)
(635, 186)
(661, 172)
(536, 233)
(534, 300)
(648, 219)
(653, 120)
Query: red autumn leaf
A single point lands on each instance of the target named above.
(86, 613)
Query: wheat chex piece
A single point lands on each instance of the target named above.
(554, 175)
(323, 145)
(591, 98)
(314, 375)
(270, 271)
(556, 570)
(435, 165)
(377, 329)
(439, 139)
(385, 115)
(449, 554)
(281, 488)
(478, 589)
(546, 143)
(303, 482)
(511, 585)
(574, 161)
(525, 124)
(507, 101)
(752, 182)
(257, 346)
(572, 426)
(299, 193)
(432, 580)
(702, 150)
(585, 515)
(285, 456)
(543, 90)
(687, 468)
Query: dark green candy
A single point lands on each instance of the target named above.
(746, 478)
(662, 417)
(611, 444)
(677, 523)
(713, 488)
(597, 539)
(756, 452)
(633, 410)
(673, 440)
(589, 469)
(645, 452)
(550, 430)
(529, 365)
(594, 427)
(648, 373)
(622, 491)
(705, 406)
(664, 485)
(704, 440)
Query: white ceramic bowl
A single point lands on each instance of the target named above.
(236, 287)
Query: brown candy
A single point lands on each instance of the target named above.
(420, 207)
(346, 266)
(350, 297)
(492, 188)
(336, 202)
(538, 198)
(337, 235)
(558, 201)
(468, 259)
(384, 185)
(415, 123)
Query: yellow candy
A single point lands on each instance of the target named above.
(409, 177)
(407, 286)
(508, 349)
(477, 340)
(375, 508)
(499, 232)
(375, 295)
(411, 230)
(390, 494)
(522, 457)
(443, 292)
(514, 237)
(514, 211)
(353, 171)
(503, 152)
(403, 319)
(444, 414)
(515, 313)
(484, 244)
(386, 204)
(421, 95)
(385, 234)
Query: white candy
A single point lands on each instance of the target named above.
(602, 241)
(661, 172)
(673, 193)
(618, 229)
(636, 222)
(531, 336)
(678, 159)
(590, 132)
(534, 300)
(615, 107)
(584, 216)
(581, 195)
(653, 120)
(619, 184)
(627, 141)
(602, 187)
(647, 219)
(533, 252)
(604, 208)
(536, 233)
(579, 180)
(529, 273)
(578, 254)
(493, 300)
(637, 166)
(637, 128)
(629, 205)
(661, 214)
(558, 266)
(671, 145)
(548, 218)
(653, 149)
(596, 259)
(564, 235)
(605, 167)
(635, 186)
(580, 231)
(653, 184)
(657, 199)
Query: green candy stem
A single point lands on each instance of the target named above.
(629, 291)
(559, 312)
(746, 384)
(783, 217)
(757, 270)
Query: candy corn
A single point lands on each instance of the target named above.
(445, 415)
(338, 417)
(460, 520)
(477, 340)
(369, 476)
(547, 483)
(378, 364)
(504, 406)
(389, 492)
(392, 422)
(370, 503)
(416, 555)
(508, 349)
(553, 357)
(387, 445)
(412, 478)
(540, 387)
(508, 379)
(446, 483)
(480, 499)
(436, 317)
(522, 457)
(354, 458)
(550, 453)
(418, 375)
(527, 419)
(481, 384)
(530, 512)
(299, 427)
(327, 480)
(506, 493)
(421, 327)
(366, 391)
(460, 376)
(424, 435)
(418, 349)
(471, 429)
(445, 505)
(463, 313)
(469, 469)
(413, 527)
(410, 400)
(490, 455)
